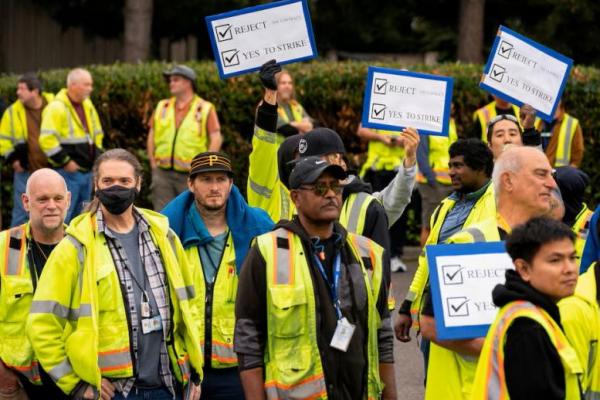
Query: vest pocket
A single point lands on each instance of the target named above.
(293, 368)
(226, 328)
(288, 314)
(15, 290)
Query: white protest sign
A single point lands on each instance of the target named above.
(396, 99)
(522, 71)
(245, 39)
(462, 280)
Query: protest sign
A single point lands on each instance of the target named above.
(245, 39)
(396, 99)
(522, 71)
(462, 278)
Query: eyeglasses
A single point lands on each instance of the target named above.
(500, 117)
(321, 189)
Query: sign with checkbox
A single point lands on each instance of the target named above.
(522, 71)
(397, 99)
(462, 277)
(243, 40)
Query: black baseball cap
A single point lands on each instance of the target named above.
(320, 141)
(307, 170)
(211, 161)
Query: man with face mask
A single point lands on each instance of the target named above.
(25, 250)
(216, 227)
(113, 315)
(71, 136)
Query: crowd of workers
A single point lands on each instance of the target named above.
(285, 294)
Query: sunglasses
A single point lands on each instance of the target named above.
(500, 117)
(321, 189)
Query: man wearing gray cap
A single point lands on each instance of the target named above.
(181, 127)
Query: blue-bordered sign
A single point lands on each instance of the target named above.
(523, 71)
(396, 99)
(462, 277)
(243, 40)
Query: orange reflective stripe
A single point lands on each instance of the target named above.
(184, 366)
(223, 352)
(112, 360)
(312, 387)
(31, 372)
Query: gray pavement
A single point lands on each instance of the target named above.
(408, 358)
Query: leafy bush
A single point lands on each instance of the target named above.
(126, 94)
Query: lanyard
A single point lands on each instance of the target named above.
(333, 286)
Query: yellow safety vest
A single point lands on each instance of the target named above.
(223, 305)
(488, 112)
(297, 112)
(13, 126)
(438, 155)
(581, 227)
(566, 134)
(381, 157)
(61, 125)
(176, 147)
(490, 380)
(580, 317)
(293, 368)
(16, 293)
(483, 209)
(450, 375)
(78, 325)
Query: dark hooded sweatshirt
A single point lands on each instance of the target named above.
(531, 362)
(345, 372)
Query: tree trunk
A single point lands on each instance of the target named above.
(470, 31)
(138, 29)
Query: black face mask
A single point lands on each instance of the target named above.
(117, 198)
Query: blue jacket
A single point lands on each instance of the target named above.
(244, 222)
(591, 251)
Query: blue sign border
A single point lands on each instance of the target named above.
(213, 42)
(455, 332)
(540, 47)
(369, 89)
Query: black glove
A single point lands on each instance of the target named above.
(267, 74)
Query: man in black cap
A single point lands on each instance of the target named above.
(216, 226)
(180, 128)
(307, 310)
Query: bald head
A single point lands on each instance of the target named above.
(46, 177)
(47, 200)
(79, 84)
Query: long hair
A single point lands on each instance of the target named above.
(112, 155)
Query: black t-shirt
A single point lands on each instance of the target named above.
(40, 253)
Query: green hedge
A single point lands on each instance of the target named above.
(125, 95)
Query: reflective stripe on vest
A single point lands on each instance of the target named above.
(354, 212)
(14, 256)
(31, 372)
(309, 388)
(296, 110)
(284, 263)
(61, 369)
(566, 134)
(114, 359)
(477, 234)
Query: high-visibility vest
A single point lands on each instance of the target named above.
(484, 208)
(13, 126)
(581, 227)
(488, 112)
(580, 317)
(438, 155)
(293, 367)
(78, 325)
(297, 112)
(381, 157)
(222, 302)
(490, 382)
(16, 294)
(61, 125)
(450, 375)
(174, 148)
(566, 134)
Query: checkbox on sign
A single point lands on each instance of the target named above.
(505, 49)
(452, 274)
(380, 86)
(378, 111)
(230, 58)
(223, 32)
(458, 306)
(497, 73)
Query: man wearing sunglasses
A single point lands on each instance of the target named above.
(309, 299)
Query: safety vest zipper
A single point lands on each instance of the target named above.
(173, 146)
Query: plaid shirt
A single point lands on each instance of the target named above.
(151, 259)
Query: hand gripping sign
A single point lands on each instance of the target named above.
(462, 278)
(522, 71)
(396, 99)
(245, 39)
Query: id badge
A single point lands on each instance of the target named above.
(145, 309)
(342, 335)
(150, 325)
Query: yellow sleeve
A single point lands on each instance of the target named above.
(6, 134)
(576, 317)
(98, 133)
(53, 122)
